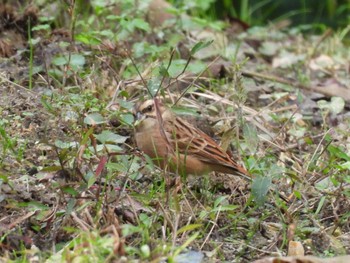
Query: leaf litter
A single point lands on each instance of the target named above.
(294, 120)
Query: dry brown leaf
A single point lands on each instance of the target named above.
(157, 14)
(334, 90)
(323, 63)
(295, 248)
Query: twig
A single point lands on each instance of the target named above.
(318, 146)
(21, 219)
(322, 38)
(333, 91)
(211, 230)
(167, 69)
(138, 72)
(193, 81)
(15, 84)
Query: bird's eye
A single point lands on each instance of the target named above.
(149, 108)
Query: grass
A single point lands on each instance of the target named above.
(75, 188)
(316, 14)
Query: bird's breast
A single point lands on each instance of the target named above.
(152, 143)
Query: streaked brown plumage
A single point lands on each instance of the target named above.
(175, 144)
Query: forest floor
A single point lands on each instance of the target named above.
(73, 186)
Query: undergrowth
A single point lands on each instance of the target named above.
(74, 186)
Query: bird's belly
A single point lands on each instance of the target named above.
(153, 146)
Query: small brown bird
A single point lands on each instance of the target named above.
(176, 145)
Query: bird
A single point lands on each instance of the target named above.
(176, 145)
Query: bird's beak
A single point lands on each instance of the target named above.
(139, 118)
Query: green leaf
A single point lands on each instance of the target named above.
(153, 85)
(200, 45)
(251, 137)
(41, 27)
(225, 208)
(345, 165)
(113, 148)
(128, 229)
(123, 165)
(336, 105)
(145, 250)
(141, 24)
(176, 67)
(87, 39)
(123, 103)
(99, 3)
(108, 136)
(320, 205)
(59, 61)
(90, 178)
(188, 228)
(65, 145)
(77, 60)
(127, 118)
(33, 204)
(86, 136)
(269, 48)
(185, 111)
(163, 71)
(297, 194)
(145, 219)
(260, 187)
(37, 69)
(46, 19)
(112, 17)
(337, 152)
(174, 11)
(107, 33)
(219, 200)
(69, 190)
(35, 41)
(94, 118)
(3, 178)
(45, 102)
(196, 67)
(70, 206)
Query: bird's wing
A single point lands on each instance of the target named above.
(188, 140)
